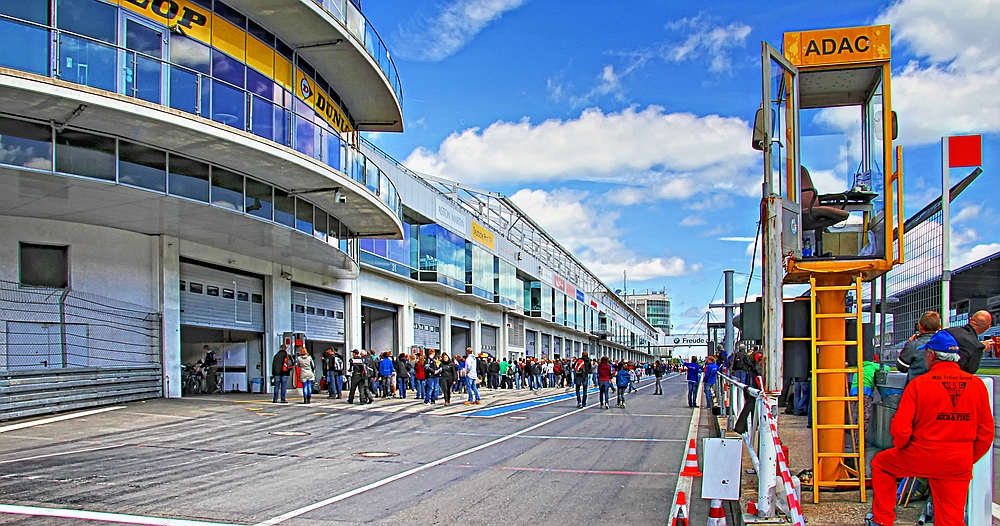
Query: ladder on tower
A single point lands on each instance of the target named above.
(857, 431)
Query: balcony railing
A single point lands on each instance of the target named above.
(90, 62)
(354, 20)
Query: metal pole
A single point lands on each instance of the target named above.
(884, 306)
(945, 235)
(773, 276)
(729, 312)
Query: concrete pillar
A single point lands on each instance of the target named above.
(278, 310)
(170, 320)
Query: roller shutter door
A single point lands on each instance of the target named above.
(489, 338)
(219, 299)
(426, 330)
(319, 315)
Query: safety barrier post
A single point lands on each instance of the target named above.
(980, 503)
(766, 474)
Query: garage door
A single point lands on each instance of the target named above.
(318, 314)
(220, 299)
(426, 330)
(489, 339)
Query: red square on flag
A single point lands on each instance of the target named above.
(965, 150)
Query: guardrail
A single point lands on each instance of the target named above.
(44, 391)
(750, 413)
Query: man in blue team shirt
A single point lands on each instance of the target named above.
(711, 372)
(693, 372)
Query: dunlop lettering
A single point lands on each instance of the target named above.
(166, 8)
(191, 17)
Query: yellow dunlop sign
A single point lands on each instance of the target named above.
(191, 18)
(847, 45)
(307, 90)
(483, 236)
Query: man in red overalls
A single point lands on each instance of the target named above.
(942, 427)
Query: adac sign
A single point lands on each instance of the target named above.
(838, 46)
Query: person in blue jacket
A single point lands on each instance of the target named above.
(622, 379)
(693, 374)
(711, 373)
(385, 369)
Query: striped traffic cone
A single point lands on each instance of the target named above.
(681, 517)
(716, 515)
(691, 462)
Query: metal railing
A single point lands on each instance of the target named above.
(128, 72)
(46, 328)
(750, 413)
(357, 24)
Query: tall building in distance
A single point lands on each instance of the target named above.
(654, 307)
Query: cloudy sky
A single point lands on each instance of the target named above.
(624, 128)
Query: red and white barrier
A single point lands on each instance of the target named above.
(786, 475)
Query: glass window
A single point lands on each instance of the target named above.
(306, 137)
(258, 31)
(142, 166)
(283, 49)
(333, 231)
(304, 216)
(212, 290)
(281, 128)
(190, 53)
(183, 90)
(196, 288)
(231, 15)
(319, 225)
(32, 10)
(25, 144)
(87, 62)
(89, 18)
(188, 178)
(305, 67)
(228, 69)
(228, 105)
(44, 265)
(371, 176)
(259, 199)
(227, 189)
(259, 84)
(25, 48)
(262, 118)
(284, 208)
(85, 154)
(333, 150)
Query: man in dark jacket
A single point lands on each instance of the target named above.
(658, 370)
(582, 370)
(970, 348)
(333, 368)
(494, 373)
(280, 368)
(911, 359)
(359, 376)
(402, 374)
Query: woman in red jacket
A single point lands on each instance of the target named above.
(604, 381)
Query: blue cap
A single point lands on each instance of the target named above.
(942, 341)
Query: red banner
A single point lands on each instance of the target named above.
(965, 151)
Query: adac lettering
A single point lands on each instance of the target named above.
(170, 10)
(829, 46)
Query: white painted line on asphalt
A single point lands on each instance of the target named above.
(64, 453)
(60, 418)
(101, 516)
(996, 511)
(379, 483)
(685, 483)
(551, 437)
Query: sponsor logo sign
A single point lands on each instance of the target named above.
(450, 217)
(838, 46)
(483, 236)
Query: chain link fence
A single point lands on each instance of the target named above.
(46, 328)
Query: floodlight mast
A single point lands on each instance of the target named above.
(836, 241)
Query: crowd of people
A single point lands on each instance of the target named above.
(433, 376)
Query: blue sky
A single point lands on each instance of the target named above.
(624, 129)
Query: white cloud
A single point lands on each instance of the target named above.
(440, 36)
(961, 256)
(967, 213)
(593, 237)
(739, 239)
(692, 221)
(609, 82)
(664, 155)
(955, 86)
(706, 40)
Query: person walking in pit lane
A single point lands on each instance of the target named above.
(623, 377)
(471, 377)
(307, 373)
(693, 374)
(604, 381)
(449, 373)
(432, 370)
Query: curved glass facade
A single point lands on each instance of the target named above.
(37, 146)
(236, 73)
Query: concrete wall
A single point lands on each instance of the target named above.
(106, 261)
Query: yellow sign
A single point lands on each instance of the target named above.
(838, 46)
(483, 236)
(194, 20)
(307, 90)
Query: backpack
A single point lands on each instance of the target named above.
(287, 365)
(580, 364)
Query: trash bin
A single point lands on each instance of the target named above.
(257, 385)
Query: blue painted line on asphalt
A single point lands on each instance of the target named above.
(491, 412)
